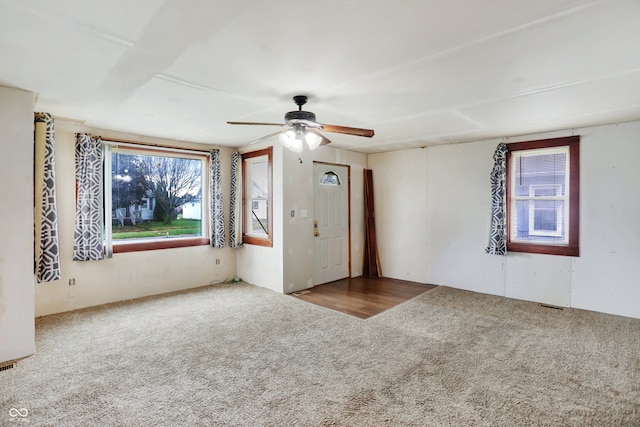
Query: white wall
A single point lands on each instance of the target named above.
(260, 265)
(400, 195)
(606, 275)
(433, 213)
(17, 329)
(603, 278)
(298, 249)
(458, 218)
(288, 265)
(126, 275)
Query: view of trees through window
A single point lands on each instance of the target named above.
(155, 196)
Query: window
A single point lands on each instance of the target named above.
(257, 202)
(158, 199)
(546, 217)
(330, 178)
(543, 196)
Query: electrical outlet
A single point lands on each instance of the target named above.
(72, 288)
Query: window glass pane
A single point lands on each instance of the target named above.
(259, 179)
(545, 216)
(258, 214)
(540, 220)
(156, 197)
(330, 178)
(259, 220)
(545, 190)
(540, 170)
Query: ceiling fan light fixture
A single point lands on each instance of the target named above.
(286, 138)
(313, 140)
(291, 140)
(296, 145)
(302, 128)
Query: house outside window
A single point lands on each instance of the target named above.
(546, 217)
(257, 197)
(543, 196)
(156, 199)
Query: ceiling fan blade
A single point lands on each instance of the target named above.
(325, 140)
(256, 123)
(265, 137)
(348, 131)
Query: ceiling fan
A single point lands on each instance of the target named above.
(302, 126)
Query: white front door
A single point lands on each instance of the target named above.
(331, 222)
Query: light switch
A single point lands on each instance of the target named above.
(303, 213)
(293, 213)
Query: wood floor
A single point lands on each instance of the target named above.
(363, 297)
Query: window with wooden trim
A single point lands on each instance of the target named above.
(257, 227)
(158, 198)
(543, 190)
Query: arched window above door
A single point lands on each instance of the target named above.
(330, 178)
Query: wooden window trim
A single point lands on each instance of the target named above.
(150, 245)
(246, 238)
(573, 246)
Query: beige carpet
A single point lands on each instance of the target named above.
(242, 355)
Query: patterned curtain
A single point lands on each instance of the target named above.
(87, 242)
(46, 215)
(235, 222)
(498, 235)
(215, 196)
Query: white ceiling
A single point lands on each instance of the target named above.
(418, 72)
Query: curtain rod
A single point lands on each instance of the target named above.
(136, 144)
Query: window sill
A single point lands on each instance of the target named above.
(151, 245)
(258, 241)
(543, 249)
